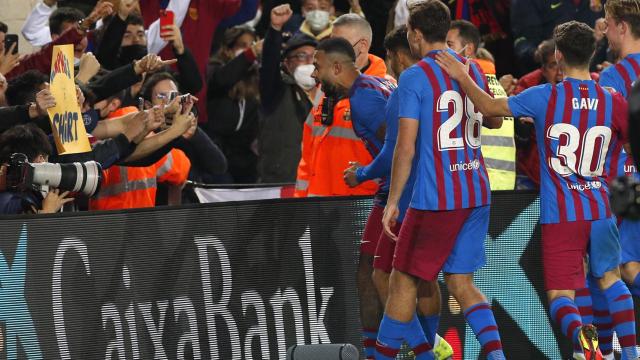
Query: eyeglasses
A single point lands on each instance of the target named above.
(301, 56)
(167, 95)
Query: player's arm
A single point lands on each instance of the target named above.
(483, 102)
(400, 171)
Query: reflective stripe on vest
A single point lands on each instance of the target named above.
(302, 184)
(343, 133)
(124, 185)
(496, 140)
(500, 164)
(166, 167)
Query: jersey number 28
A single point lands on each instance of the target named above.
(566, 162)
(472, 125)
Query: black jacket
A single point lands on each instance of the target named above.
(232, 129)
(284, 110)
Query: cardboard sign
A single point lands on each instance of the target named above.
(66, 120)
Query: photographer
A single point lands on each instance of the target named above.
(33, 142)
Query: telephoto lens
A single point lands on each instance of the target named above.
(76, 177)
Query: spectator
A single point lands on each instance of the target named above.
(536, 19)
(208, 161)
(499, 148)
(31, 141)
(198, 30)
(131, 45)
(329, 143)
(233, 98)
(286, 91)
(64, 19)
(318, 16)
(3, 90)
(75, 34)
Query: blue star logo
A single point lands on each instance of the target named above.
(512, 289)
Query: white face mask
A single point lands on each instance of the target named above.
(318, 20)
(302, 74)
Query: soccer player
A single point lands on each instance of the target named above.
(446, 223)
(368, 95)
(577, 124)
(623, 32)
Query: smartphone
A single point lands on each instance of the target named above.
(166, 18)
(10, 39)
(140, 104)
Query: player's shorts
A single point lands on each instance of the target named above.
(565, 245)
(372, 231)
(383, 259)
(629, 241)
(451, 241)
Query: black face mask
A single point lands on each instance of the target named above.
(132, 52)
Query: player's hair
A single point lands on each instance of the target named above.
(61, 16)
(576, 42)
(468, 32)
(543, 51)
(396, 40)
(627, 11)
(337, 46)
(355, 22)
(432, 18)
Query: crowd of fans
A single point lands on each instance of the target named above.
(227, 87)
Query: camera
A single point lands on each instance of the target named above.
(75, 177)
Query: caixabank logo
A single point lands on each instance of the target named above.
(14, 312)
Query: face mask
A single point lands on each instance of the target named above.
(318, 20)
(302, 74)
(132, 52)
(76, 61)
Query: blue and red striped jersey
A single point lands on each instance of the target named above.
(622, 75)
(449, 169)
(577, 126)
(368, 98)
(621, 78)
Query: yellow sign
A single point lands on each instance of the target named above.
(66, 119)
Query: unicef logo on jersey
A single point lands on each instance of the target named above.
(589, 185)
(461, 166)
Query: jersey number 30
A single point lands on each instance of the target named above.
(472, 125)
(566, 160)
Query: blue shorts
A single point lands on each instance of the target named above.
(451, 241)
(564, 246)
(629, 240)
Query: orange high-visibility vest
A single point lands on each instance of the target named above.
(328, 149)
(129, 187)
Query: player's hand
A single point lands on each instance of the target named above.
(350, 177)
(389, 219)
(452, 66)
(280, 15)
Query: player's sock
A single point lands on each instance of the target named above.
(430, 325)
(565, 313)
(635, 287)
(601, 317)
(418, 342)
(622, 314)
(583, 301)
(480, 318)
(390, 336)
(369, 337)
